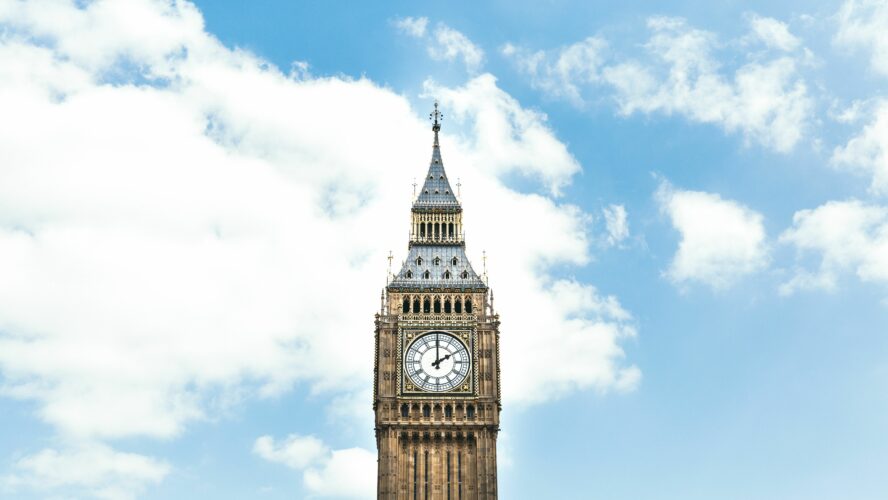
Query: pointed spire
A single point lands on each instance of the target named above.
(436, 190)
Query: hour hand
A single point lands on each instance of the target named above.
(437, 363)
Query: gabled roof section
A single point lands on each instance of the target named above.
(436, 191)
(447, 267)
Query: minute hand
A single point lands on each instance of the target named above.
(437, 362)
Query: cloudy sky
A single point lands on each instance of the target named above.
(684, 209)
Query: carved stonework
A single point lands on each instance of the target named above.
(436, 377)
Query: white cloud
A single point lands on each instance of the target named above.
(774, 33)
(91, 469)
(413, 26)
(198, 234)
(867, 152)
(765, 101)
(847, 235)
(347, 473)
(444, 43)
(617, 224)
(864, 24)
(451, 45)
(563, 72)
(721, 240)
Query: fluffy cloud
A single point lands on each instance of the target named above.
(616, 223)
(348, 473)
(847, 235)
(867, 152)
(95, 470)
(765, 99)
(413, 26)
(444, 43)
(774, 33)
(864, 24)
(204, 229)
(561, 73)
(721, 240)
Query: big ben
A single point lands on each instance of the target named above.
(436, 370)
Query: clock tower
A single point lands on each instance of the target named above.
(436, 383)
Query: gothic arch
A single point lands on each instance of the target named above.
(427, 305)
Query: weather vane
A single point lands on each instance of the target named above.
(437, 117)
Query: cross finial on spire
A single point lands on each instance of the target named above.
(437, 117)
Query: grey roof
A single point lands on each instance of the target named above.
(436, 191)
(445, 253)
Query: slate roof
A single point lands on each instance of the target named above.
(436, 191)
(445, 253)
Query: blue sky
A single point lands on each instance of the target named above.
(683, 206)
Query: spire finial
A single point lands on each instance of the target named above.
(437, 117)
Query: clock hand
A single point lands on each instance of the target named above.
(437, 363)
(437, 354)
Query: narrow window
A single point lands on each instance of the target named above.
(426, 305)
(437, 230)
(437, 261)
(457, 306)
(465, 275)
(458, 474)
(454, 261)
(426, 275)
(447, 306)
(470, 411)
(416, 305)
(448, 411)
(426, 464)
(437, 305)
(415, 474)
(429, 230)
(409, 274)
(450, 231)
(405, 410)
(406, 308)
(419, 261)
(469, 306)
(421, 230)
(426, 411)
(448, 476)
(446, 275)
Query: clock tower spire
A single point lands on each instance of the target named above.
(436, 371)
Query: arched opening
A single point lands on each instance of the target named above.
(469, 306)
(447, 306)
(422, 230)
(419, 261)
(405, 410)
(427, 305)
(450, 230)
(409, 274)
(427, 275)
(470, 411)
(446, 275)
(448, 411)
(427, 411)
(437, 261)
(437, 231)
(437, 305)
(457, 306)
(454, 261)
(416, 305)
(406, 308)
(429, 229)
(465, 275)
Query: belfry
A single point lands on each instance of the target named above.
(436, 382)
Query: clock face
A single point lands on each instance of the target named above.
(437, 362)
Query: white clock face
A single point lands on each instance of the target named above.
(437, 362)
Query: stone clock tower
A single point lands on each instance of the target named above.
(436, 375)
